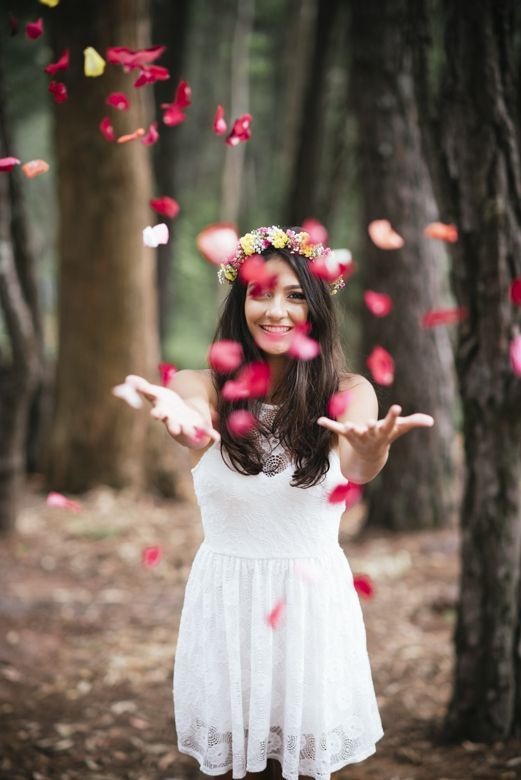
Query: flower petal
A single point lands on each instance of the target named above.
(33, 30)
(131, 58)
(253, 381)
(317, 232)
(225, 356)
(106, 128)
(183, 95)
(515, 291)
(59, 90)
(7, 163)
(275, 615)
(166, 371)
(34, 168)
(150, 74)
(381, 365)
(515, 354)
(219, 124)
(240, 131)
(217, 242)
(444, 316)
(123, 139)
(93, 63)
(240, 422)
(363, 585)
(348, 492)
(379, 304)
(338, 403)
(153, 236)
(61, 64)
(50, 3)
(442, 231)
(383, 235)
(59, 501)
(173, 115)
(151, 135)
(151, 556)
(167, 207)
(118, 100)
(301, 346)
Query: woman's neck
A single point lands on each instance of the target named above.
(277, 366)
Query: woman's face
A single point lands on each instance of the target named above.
(272, 316)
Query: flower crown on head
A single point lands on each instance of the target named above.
(256, 241)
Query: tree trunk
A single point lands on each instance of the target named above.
(107, 315)
(473, 143)
(170, 22)
(412, 492)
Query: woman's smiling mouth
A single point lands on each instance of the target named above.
(276, 328)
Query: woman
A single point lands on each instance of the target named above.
(271, 671)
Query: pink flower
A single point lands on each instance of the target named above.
(33, 30)
(118, 100)
(62, 64)
(381, 365)
(151, 135)
(106, 128)
(383, 235)
(379, 304)
(241, 422)
(167, 207)
(59, 90)
(225, 356)
(219, 124)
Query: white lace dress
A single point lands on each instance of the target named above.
(244, 691)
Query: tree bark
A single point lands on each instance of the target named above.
(107, 313)
(412, 492)
(471, 131)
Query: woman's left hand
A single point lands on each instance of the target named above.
(372, 440)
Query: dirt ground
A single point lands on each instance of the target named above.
(88, 636)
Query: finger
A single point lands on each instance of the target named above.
(390, 419)
(332, 425)
(418, 419)
(142, 386)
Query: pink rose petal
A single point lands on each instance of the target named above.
(240, 130)
(301, 346)
(7, 163)
(217, 242)
(167, 207)
(275, 616)
(183, 95)
(59, 91)
(338, 403)
(131, 58)
(118, 100)
(61, 64)
(240, 422)
(383, 235)
(381, 365)
(348, 493)
(151, 136)
(317, 231)
(166, 372)
(442, 232)
(515, 354)
(379, 304)
(151, 556)
(219, 124)
(225, 356)
(59, 501)
(515, 291)
(33, 30)
(253, 381)
(444, 317)
(363, 585)
(158, 234)
(106, 128)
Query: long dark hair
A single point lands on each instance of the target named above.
(304, 389)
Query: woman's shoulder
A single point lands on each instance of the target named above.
(195, 378)
(349, 381)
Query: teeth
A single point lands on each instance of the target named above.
(276, 328)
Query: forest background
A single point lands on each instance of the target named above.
(406, 111)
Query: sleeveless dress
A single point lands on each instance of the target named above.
(298, 689)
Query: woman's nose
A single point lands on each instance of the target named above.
(276, 306)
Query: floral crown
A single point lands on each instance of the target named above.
(256, 241)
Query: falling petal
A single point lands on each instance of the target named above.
(363, 585)
(106, 128)
(317, 232)
(442, 231)
(34, 168)
(59, 90)
(7, 163)
(173, 115)
(253, 381)
(219, 124)
(301, 346)
(183, 95)
(379, 304)
(348, 493)
(153, 236)
(331, 265)
(166, 372)
(61, 64)
(274, 617)
(130, 58)
(50, 3)
(254, 270)
(240, 130)
(129, 394)
(118, 100)
(338, 403)
(93, 64)
(241, 422)
(515, 292)
(33, 30)
(151, 556)
(225, 356)
(515, 354)
(151, 135)
(150, 74)
(383, 235)
(381, 365)
(59, 501)
(444, 316)
(217, 242)
(167, 207)
(124, 139)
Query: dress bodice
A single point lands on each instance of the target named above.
(263, 515)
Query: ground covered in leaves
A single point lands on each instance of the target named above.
(88, 636)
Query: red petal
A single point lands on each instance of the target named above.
(241, 422)
(317, 232)
(217, 242)
(7, 163)
(253, 381)
(219, 125)
(106, 128)
(34, 168)
(151, 135)
(59, 90)
(61, 502)
(166, 372)
(338, 403)
(301, 346)
(442, 231)
(225, 356)
(254, 270)
(130, 58)
(363, 585)
(331, 265)
(274, 617)
(167, 207)
(118, 100)
(383, 235)
(381, 366)
(515, 355)
(139, 133)
(173, 115)
(61, 64)
(183, 95)
(33, 30)
(348, 492)
(240, 130)
(151, 556)
(444, 316)
(379, 304)
(515, 292)
(150, 74)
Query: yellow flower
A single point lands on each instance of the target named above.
(230, 272)
(248, 243)
(94, 64)
(280, 239)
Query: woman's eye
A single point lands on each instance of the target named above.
(298, 296)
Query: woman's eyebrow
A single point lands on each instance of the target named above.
(293, 287)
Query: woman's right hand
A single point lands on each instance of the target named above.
(180, 418)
